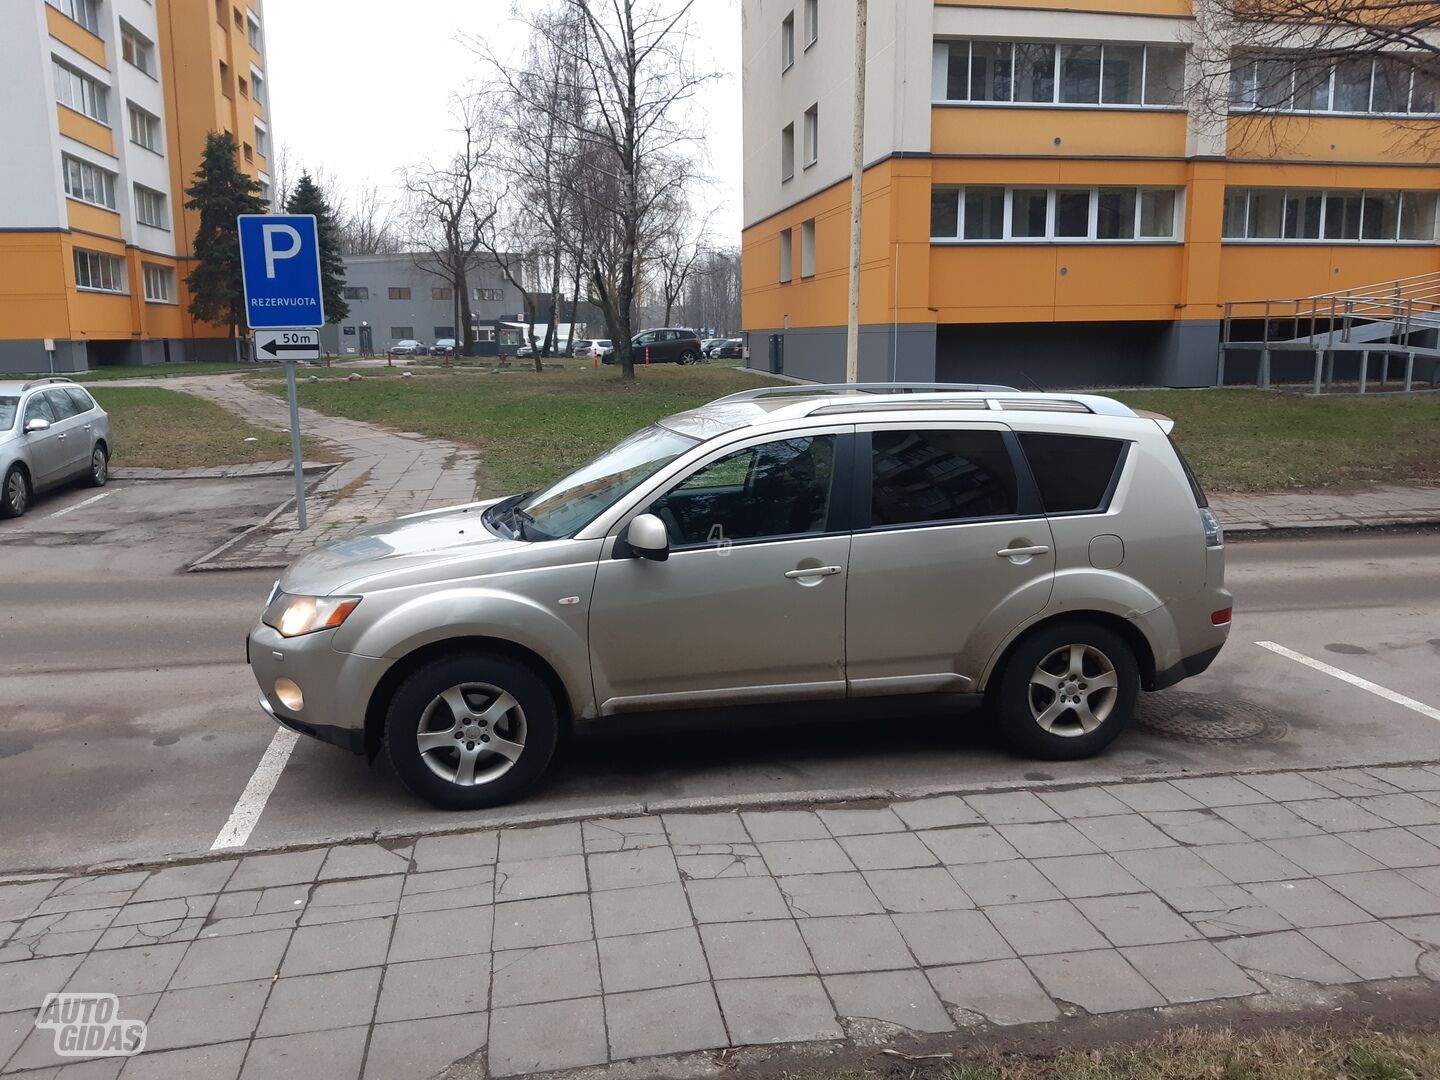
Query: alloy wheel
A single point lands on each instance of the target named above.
(99, 466)
(1073, 690)
(17, 494)
(472, 734)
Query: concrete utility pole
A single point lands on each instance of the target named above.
(857, 191)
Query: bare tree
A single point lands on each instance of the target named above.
(448, 214)
(369, 227)
(679, 250)
(712, 293)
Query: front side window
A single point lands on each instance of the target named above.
(38, 408)
(1073, 472)
(930, 477)
(762, 492)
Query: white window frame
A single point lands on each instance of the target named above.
(787, 153)
(262, 139)
(98, 266)
(258, 87)
(941, 75)
(254, 32)
(812, 22)
(159, 284)
(812, 135)
(1092, 229)
(140, 46)
(157, 200)
(807, 249)
(144, 122)
(1239, 106)
(93, 95)
(787, 42)
(88, 175)
(1325, 194)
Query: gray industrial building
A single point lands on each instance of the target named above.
(394, 297)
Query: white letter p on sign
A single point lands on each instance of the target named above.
(272, 256)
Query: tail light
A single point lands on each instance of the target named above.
(1222, 617)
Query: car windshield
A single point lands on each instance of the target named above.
(8, 405)
(589, 491)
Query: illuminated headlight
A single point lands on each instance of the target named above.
(295, 616)
(1214, 534)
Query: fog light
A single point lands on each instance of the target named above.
(289, 695)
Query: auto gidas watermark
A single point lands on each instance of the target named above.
(90, 1025)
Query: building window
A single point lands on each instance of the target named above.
(84, 12)
(76, 90)
(249, 152)
(159, 284)
(144, 129)
(239, 20)
(812, 135)
(220, 7)
(402, 333)
(398, 292)
(443, 332)
(1387, 85)
(812, 22)
(787, 152)
(262, 141)
(244, 87)
(807, 249)
(1279, 215)
(489, 295)
(227, 83)
(1057, 215)
(257, 86)
(356, 292)
(787, 42)
(150, 208)
(442, 294)
(88, 183)
(1071, 73)
(137, 50)
(787, 256)
(264, 189)
(253, 30)
(99, 272)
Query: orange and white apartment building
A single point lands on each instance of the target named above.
(104, 110)
(1044, 199)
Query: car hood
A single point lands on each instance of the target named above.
(435, 538)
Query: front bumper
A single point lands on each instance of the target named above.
(345, 738)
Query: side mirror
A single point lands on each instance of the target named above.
(648, 539)
(38, 423)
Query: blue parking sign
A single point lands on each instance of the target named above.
(280, 260)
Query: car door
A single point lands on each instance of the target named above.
(70, 425)
(47, 458)
(750, 604)
(951, 552)
(646, 341)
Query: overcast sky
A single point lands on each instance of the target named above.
(361, 88)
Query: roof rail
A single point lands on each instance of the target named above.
(32, 383)
(817, 389)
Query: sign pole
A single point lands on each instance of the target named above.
(295, 443)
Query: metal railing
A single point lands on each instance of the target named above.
(1380, 318)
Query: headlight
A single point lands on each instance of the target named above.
(294, 616)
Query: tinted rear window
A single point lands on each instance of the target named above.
(80, 398)
(1195, 488)
(932, 476)
(1073, 472)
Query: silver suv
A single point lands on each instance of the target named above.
(1051, 552)
(51, 432)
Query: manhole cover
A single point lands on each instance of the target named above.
(1196, 718)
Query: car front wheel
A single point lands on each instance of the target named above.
(472, 730)
(99, 467)
(15, 496)
(1066, 692)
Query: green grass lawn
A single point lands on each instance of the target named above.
(1249, 440)
(147, 371)
(164, 429)
(533, 428)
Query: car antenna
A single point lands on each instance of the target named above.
(1038, 388)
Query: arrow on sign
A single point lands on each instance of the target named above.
(274, 348)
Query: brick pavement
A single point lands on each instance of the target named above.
(1378, 506)
(577, 944)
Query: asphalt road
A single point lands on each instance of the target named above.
(128, 728)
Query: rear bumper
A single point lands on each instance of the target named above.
(1187, 668)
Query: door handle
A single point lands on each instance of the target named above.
(814, 571)
(60, 434)
(1022, 552)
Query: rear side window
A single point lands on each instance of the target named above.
(932, 476)
(1195, 488)
(1073, 472)
(80, 398)
(61, 403)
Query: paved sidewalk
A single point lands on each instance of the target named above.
(387, 474)
(1372, 507)
(578, 944)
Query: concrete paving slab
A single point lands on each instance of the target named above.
(777, 1010)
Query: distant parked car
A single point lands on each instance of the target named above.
(733, 349)
(584, 349)
(51, 432)
(526, 352)
(603, 348)
(667, 346)
(445, 346)
(709, 345)
(409, 347)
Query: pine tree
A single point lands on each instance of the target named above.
(307, 198)
(221, 193)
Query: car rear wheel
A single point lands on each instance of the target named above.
(472, 730)
(689, 357)
(1066, 692)
(99, 467)
(15, 496)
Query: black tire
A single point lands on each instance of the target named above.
(688, 357)
(99, 474)
(15, 494)
(1019, 707)
(538, 712)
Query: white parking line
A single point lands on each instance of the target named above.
(77, 506)
(1354, 680)
(257, 792)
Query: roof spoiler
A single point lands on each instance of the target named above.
(1166, 424)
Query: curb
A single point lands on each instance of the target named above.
(698, 804)
(224, 472)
